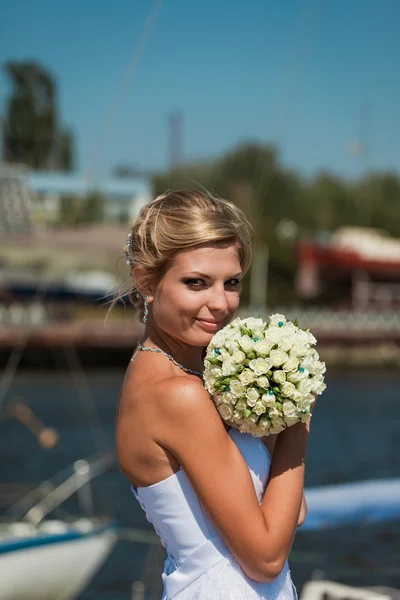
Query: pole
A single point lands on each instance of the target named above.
(259, 279)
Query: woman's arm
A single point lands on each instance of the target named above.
(259, 536)
(269, 442)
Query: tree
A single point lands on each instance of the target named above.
(31, 134)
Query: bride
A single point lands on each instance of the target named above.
(225, 505)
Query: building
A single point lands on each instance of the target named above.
(27, 196)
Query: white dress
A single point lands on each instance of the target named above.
(199, 565)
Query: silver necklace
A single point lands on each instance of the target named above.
(171, 358)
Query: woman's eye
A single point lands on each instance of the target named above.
(233, 283)
(195, 282)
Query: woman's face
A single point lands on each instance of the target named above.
(199, 294)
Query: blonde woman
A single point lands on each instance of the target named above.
(225, 505)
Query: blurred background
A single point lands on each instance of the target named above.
(291, 110)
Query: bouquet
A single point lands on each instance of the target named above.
(263, 377)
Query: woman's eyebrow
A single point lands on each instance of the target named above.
(204, 276)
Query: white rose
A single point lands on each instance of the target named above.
(259, 407)
(304, 386)
(237, 388)
(241, 407)
(246, 343)
(301, 338)
(260, 366)
(320, 369)
(247, 377)
(228, 398)
(277, 425)
(318, 386)
(308, 363)
(274, 412)
(217, 399)
(253, 418)
(304, 417)
(291, 364)
(246, 427)
(290, 328)
(258, 333)
(291, 421)
(252, 396)
(228, 367)
(262, 347)
(263, 382)
(289, 409)
(224, 354)
(294, 377)
(212, 372)
(298, 350)
(286, 344)
(253, 323)
(311, 339)
(264, 423)
(288, 389)
(276, 429)
(236, 322)
(296, 396)
(238, 356)
(268, 399)
(277, 320)
(225, 411)
(273, 335)
(217, 339)
(278, 357)
(279, 376)
(304, 405)
(231, 346)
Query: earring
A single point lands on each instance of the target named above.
(146, 309)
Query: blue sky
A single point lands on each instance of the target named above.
(305, 75)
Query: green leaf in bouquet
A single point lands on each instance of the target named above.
(240, 368)
(296, 322)
(226, 380)
(252, 355)
(276, 389)
(214, 361)
(247, 412)
(245, 331)
(254, 417)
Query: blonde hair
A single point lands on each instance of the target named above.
(177, 221)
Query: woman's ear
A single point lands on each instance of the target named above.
(143, 282)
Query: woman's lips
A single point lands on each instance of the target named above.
(209, 325)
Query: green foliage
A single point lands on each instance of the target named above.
(251, 176)
(31, 133)
(77, 210)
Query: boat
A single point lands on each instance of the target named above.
(43, 558)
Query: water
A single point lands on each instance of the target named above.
(355, 436)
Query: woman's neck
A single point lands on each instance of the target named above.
(185, 354)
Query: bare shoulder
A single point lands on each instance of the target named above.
(186, 394)
(186, 410)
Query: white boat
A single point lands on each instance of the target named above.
(52, 561)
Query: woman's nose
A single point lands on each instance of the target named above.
(218, 300)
